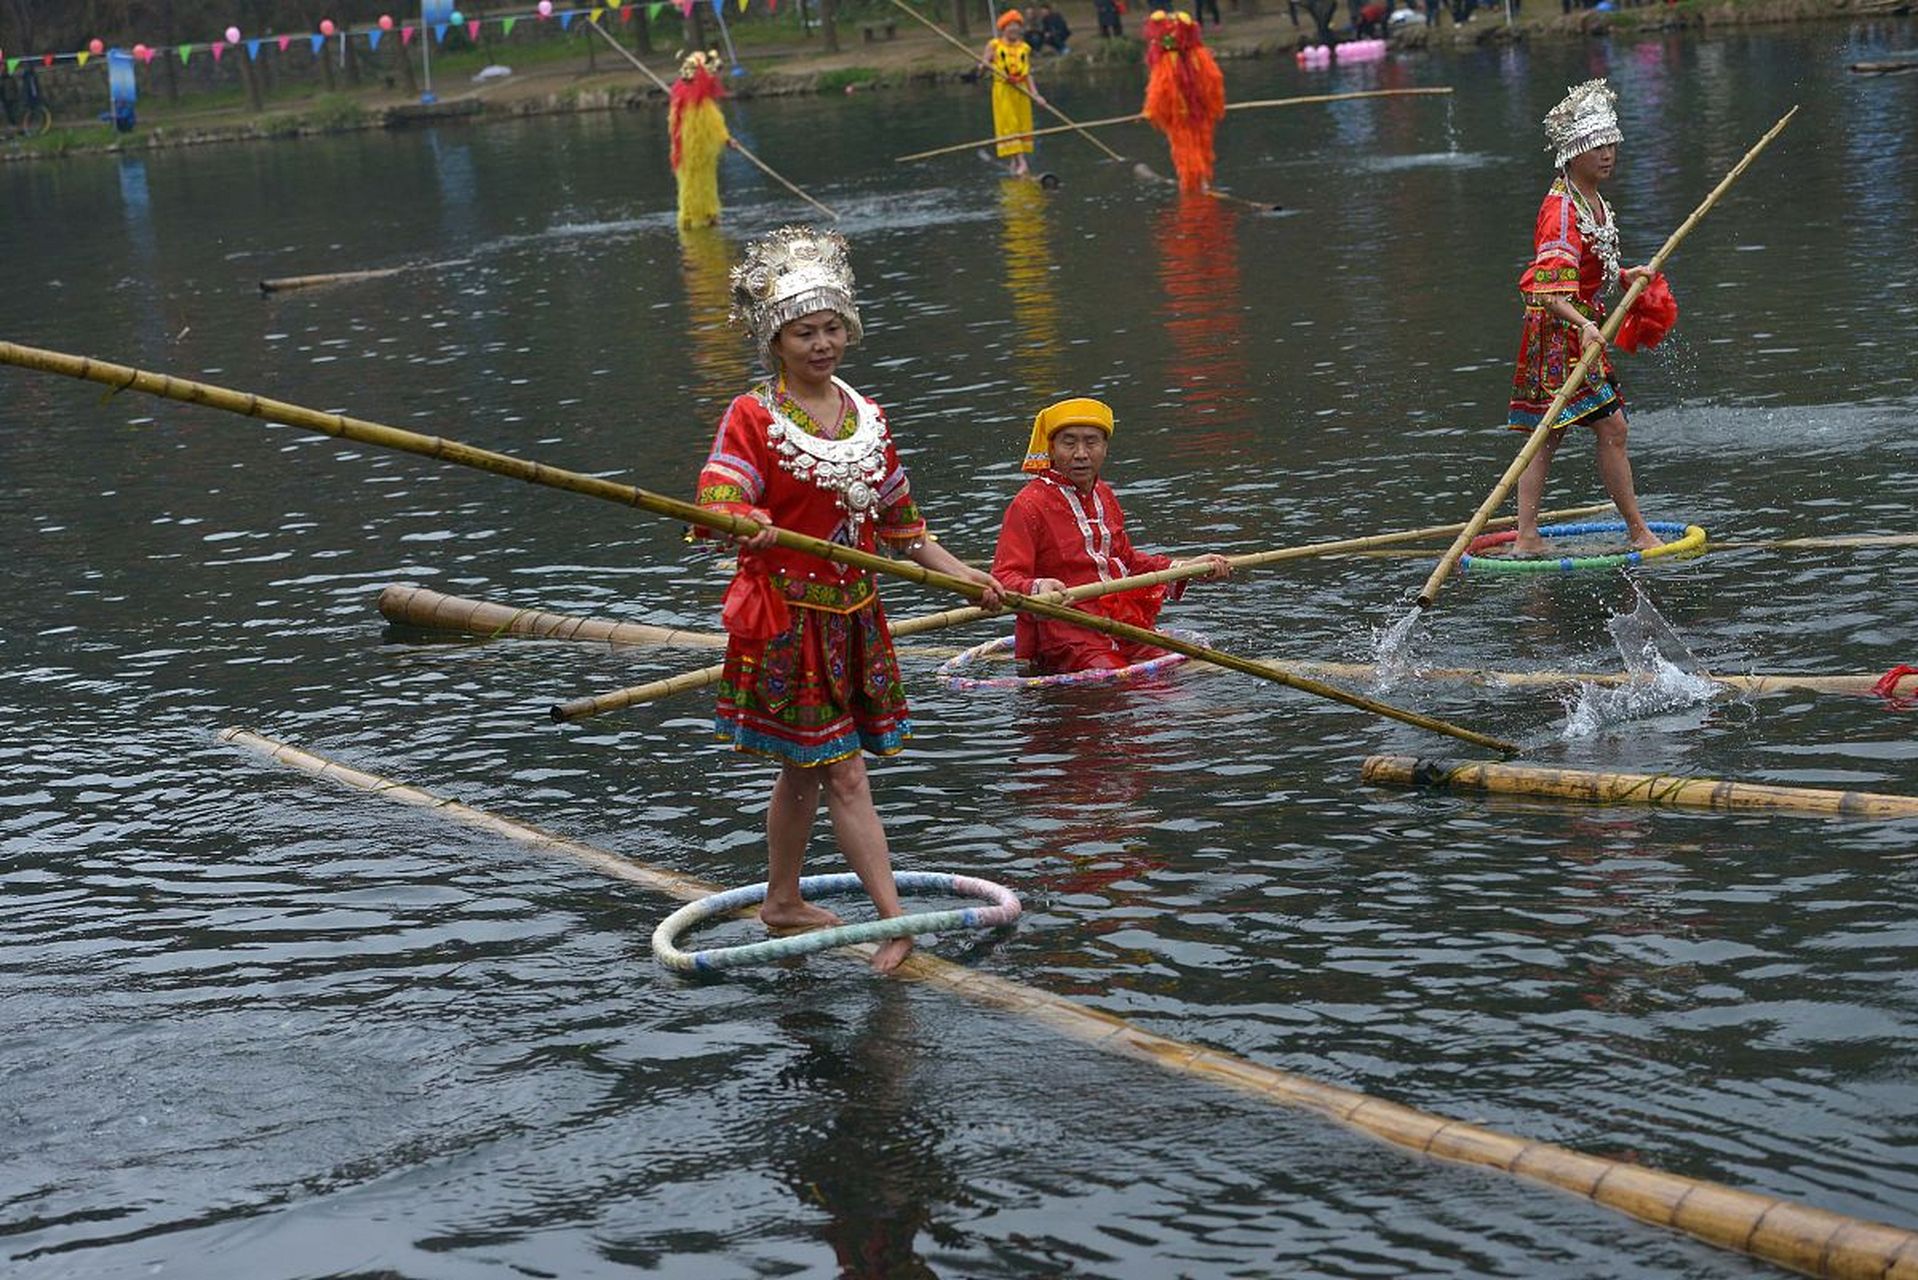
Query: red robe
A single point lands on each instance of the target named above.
(1564, 266)
(1052, 530)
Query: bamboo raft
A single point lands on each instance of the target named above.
(1632, 788)
(1755, 684)
(429, 610)
(1813, 1241)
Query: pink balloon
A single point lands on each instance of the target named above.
(386, 22)
(140, 52)
(96, 47)
(326, 27)
(545, 8)
(233, 35)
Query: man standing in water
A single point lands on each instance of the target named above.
(1065, 529)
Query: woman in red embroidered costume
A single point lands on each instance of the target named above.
(810, 678)
(1575, 263)
(1065, 529)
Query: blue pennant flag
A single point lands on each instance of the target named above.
(317, 42)
(373, 38)
(439, 32)
(253, 50)
(566, 18)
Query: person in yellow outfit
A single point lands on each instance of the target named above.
(699, 133)
(1009, 58)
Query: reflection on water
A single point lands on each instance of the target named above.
(1204, 324)
(720, 354)
(1026, 257)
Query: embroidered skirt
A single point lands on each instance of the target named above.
(1547, 350)
(825, 689)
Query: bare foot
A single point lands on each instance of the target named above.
(1533, 546)
(796, 917)
(1645, 540)
(891, 954)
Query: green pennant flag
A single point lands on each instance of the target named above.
(13, 65)
(652, 10)
(186, 52)
(506, 26)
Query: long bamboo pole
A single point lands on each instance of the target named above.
(1810, 1240)
(124, 378)
(429, 610)
(1631, 788)
(1138, 116)
(1428, 594)
(687, 681)
(732, 142)
(1757, 684)
(956, 43)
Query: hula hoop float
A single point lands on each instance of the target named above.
(1003, 910)
(951, 674)
(1684, 539)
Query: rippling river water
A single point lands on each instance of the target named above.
(254, 1025)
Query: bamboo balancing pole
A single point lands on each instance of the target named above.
(1806, 1239)
(429, 610)
(124, 378)
(685, 682)
(1139, 116)
(731, 141)
(956, 43)
(1428, 594)
(1755, 684)
(1631, 788)
(287, 283)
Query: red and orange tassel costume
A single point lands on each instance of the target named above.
(1184, 94)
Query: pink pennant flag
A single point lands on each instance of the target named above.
(472, 30)
(406, 37)
(218, 47)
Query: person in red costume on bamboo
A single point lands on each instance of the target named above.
(1184, 95)
(1065, 529)
(1575, 264)
(810, 679)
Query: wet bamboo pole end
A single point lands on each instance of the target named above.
(415, 606)
(1814, 1241)
(1596, 787)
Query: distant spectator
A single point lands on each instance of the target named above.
(1371, 23)
(1108, 11)
(1200, 6)
(1049, 30)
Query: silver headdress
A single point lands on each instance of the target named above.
(1587, 118)
(793, 272)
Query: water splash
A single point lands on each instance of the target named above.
(1665, 676)
(1392, 650)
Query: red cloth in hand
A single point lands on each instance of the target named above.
(754, 610)
(1651, 317)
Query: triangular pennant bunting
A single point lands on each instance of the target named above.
(406, 37)
(439, 31)
(506, 26)
(317, 42)
(566, 18)
(186, 52)
(218, 47)
(472, 30)
(373, 38)
(253, 50)
(285, 41)
(82, 57)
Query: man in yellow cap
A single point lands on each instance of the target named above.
(1065, 529)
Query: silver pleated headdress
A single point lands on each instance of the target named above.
(1587, 118)
(793, 272)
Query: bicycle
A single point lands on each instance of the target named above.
(26, 107)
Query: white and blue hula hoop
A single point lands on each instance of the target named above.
(950, 673)
(1004, 909)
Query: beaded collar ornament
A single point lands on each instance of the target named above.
(851, 469)
(1602, 237)
(1587, 118)
(793, 272)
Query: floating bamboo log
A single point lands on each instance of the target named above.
(287, 283)
(1428, 594)
(430, 610)
(1754, 684)
(1814, 1241)
(1138, 116)
(123, 378)
(685, 682)
(1632, 788)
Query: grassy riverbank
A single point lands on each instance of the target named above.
(562, 76)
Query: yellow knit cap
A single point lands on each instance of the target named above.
(1080, 411)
